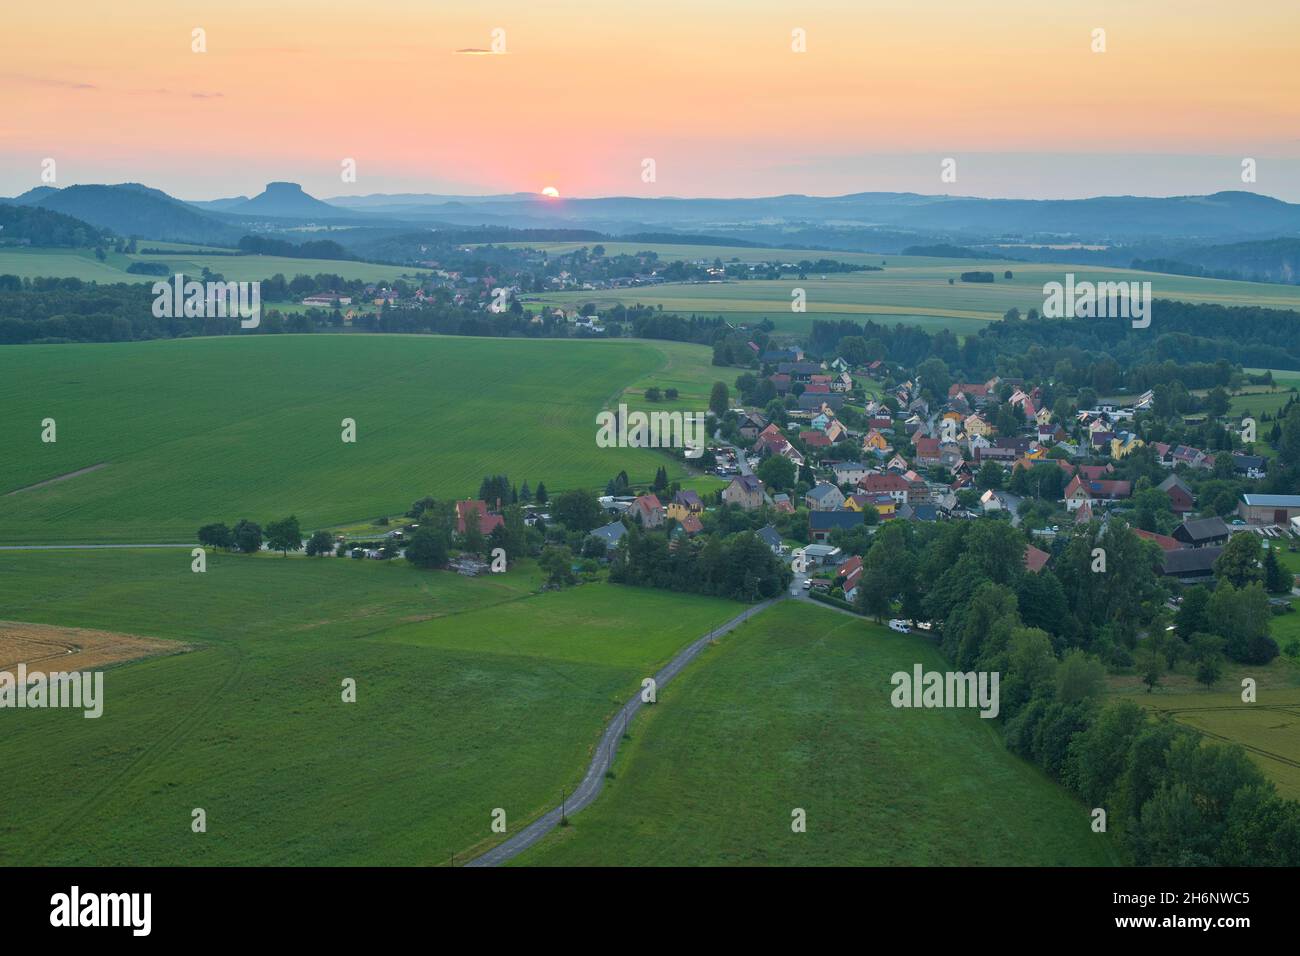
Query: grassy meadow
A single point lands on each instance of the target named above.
(465, 703)
(913, 290)
(792, 710)
(191, 260)
(196, 430)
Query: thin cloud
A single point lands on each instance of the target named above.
(50, 81)
(477, 51)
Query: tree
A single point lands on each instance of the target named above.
(1079, 676)
(284, 535)
(557, 562)
(777, 472)
(321, 542)
(578, 511)
(718, 399)
(933, 374)
(1207, 653)
(248, 536)
(875, 593)
(1276, 580)
(990, 475)
(427, 548)
(1192, 616)
(541, 493)
(1238, 565)
(216, 536)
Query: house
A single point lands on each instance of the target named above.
(1202, 533)
(1268, 509)
(1124, 444)
(1166, 543)
(684, 503)
(835, 431)
(772, 538)
(783, 503)
(812, 438)
(823, 496)
(927, 451)
(819, 555)
(486, 522)
(992, 501)
(648, 511)
(1035, 559)
(751, 424)
(895, 486)
(745, 491)
(1083, 514)
(814, 402)
(876, 442)
(691, 525)
(611, 534)
(1190, 565)
(822, 523)
(911, 512)
(885, 505)
(1081, 490)
(1249, 466)
(849, 472)
(1179, 494)
(976, 425)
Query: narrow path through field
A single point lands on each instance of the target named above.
(58, 478)
(606, 750)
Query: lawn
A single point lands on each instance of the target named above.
(196, 430)
(792, 711)
(460, 708)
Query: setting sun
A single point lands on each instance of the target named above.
(552, 192)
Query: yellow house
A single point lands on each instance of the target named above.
(975, 425)
(876, 441)
(1044, 416)
(883, 504)
(1122, 445)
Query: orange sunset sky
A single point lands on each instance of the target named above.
(711, 90)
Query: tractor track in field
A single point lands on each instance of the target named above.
(162, 745)
(1290, 709)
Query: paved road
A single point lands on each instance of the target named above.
(592, 783)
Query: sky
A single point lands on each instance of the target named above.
(581, 92)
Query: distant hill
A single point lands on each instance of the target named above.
(32, 225)
(1265, 260)
(218, 205)
(831, 220)
(286, 200)
(130, 209)
(33, 195)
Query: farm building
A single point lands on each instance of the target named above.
(1269, 509)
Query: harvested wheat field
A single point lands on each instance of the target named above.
(46, 647)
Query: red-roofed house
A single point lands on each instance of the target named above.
(486, 522)
(1035, 560)
(649, 511)
(896, 486)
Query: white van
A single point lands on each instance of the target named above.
(900, 626)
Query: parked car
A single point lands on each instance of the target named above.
(807, 583)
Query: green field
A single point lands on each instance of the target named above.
(1269, 728)
(472, 694)
(200, 430)
(792, 711)
(913, 290)
(82, 264)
